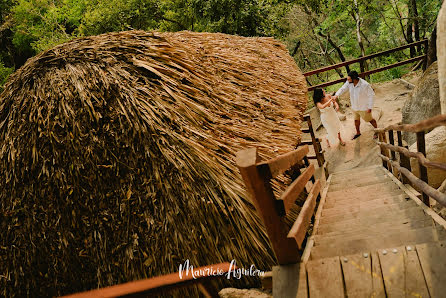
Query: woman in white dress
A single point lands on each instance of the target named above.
(329, 117)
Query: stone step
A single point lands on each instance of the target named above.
(358, 199)
(391, 201)
(400, 238)
(412, 214)
(379, 228)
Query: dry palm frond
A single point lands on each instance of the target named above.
(117, 156)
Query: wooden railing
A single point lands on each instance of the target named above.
(257, 175)
(402, 164)
(315, 142)
(160, 284)
(364, 58)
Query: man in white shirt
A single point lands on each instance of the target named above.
(361, 99)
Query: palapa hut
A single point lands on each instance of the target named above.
(117, 156)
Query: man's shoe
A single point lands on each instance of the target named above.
(356, 136)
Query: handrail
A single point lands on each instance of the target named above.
(421, 158)
(404, 157)
(158, 284)
(424, 125)
(293, 191)
(360, 59)
(283, 162)
(257, 176)
(366, 73)
(423, 186)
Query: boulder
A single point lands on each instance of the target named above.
(441, 55)
(424, 102)
(435, 151)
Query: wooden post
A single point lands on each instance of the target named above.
(316, 144)
(392, 142)
(307, 164)
(380, 138)
(258, 184)
(421, 147)
(386, 152)
(392, 153)
(404, 160)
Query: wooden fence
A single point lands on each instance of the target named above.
(257, 176)
(402, 164)
(364, 58)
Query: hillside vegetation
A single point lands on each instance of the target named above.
(317, 32)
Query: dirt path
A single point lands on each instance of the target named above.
(362, 152)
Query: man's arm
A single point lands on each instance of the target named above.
(342, 89)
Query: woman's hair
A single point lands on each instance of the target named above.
(318, 94)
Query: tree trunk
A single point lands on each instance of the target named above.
(431, 50)
(409, 28)
(338, 49)
(296, 48)
(327, 55)
(306, 60)
(357, 18)
(399, 16)
(416, 23)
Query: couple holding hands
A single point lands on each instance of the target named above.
(361, 99)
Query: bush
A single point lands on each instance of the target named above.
(4, 74)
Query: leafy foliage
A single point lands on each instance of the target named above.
(304, 25)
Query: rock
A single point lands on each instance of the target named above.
(435, 151)
(342, 117)
(424, 102)
(243, 293)
(441, 55)
(407, 84)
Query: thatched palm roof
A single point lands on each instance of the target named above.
(117, 156)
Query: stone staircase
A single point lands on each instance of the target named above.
(366, 210)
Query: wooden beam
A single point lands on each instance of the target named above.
(366, 73)
(293, 191)
(300, 226)
(421, 147)
(258, 185)
(283, 162)
(334, 66)
(157, 284)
